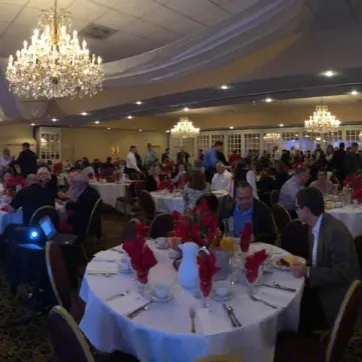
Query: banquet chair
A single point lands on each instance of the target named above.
(139, 186)
(358, 246)
(129, 232)
(300, 348)
(218, 358)
(148, 205)
(265, 197)
(45, 211)
(161, 225)
(294, 239)
(211, 200)
(281, 217)
(126, 204)
(274, 197)
(60, 281)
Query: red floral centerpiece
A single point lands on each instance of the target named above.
(108, 175)
(354, 182)
(166, 185)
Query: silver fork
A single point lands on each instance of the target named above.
(118, 295)
(192, 313)
(101, 274)
(257, 299)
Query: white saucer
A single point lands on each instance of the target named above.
(155, 298)
(221, 298)
(123, 271)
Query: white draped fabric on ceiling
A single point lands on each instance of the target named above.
(259, 24)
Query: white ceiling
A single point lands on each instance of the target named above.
(142, 25)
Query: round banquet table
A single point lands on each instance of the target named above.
(166, 202)
(162, 333)
(109, 192)
(351, 216)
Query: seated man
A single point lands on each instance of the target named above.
(246, 209)
(80, 205)
(290, 189)
(332, 265)
(222, 180)
(32, 198)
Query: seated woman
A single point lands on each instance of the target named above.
(182, 177)
(195, 189)
(48, 180)
(87, 169)
(322, 183)
(154, 178)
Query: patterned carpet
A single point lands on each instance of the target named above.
(23, 342)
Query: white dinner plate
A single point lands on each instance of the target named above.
(284, 267)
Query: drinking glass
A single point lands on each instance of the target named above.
(228, 226)
(252, 276)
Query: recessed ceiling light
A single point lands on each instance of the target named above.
(168, 131)
(33, 124)
(130, 117)
(97, 122)
(84, 114)
(231, 127)
(268, 100)
(186, 109)
(281, 125)
(108, 129)
(139, 130)
(139, 103)
(53, 119)
(354, 92)
(224, 87)
(329, 73)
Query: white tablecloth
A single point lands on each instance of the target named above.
(166, 202)
(351, 216)
(110, 191)
(163, 332)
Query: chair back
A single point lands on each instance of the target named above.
(211, 200)
(139, 186)
(281, 217)
(129, 232)
(134, 176)
(161, 225)
(68, 340)
(294, 239)
(219, 358)
(45, 211)
(95, 223)
(58, 274)
(358, 246)
(274, 197)
(147, 204)
(265, 197)
(344, 324)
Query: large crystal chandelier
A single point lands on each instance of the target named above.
(272, 137)
(322, 121)
(185, 129)
(55, 64)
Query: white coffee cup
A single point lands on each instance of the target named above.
(161, 241)
(162, 290)
(221, 288)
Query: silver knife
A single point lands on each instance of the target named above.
(233, 323)
(138, 310)
(274, 286)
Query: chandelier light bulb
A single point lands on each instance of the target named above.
(322, 121)
(185, 129)
(272, 137)
(54, 64)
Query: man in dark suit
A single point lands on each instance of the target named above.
(27, 160)
(352, 160)
(332, 265)
(80, 205)
(338, 162)
(246, 209)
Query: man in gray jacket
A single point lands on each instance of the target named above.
(332, 264)
(352, 160)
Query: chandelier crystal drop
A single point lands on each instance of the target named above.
(272, 137)
(322, 121)
(55, 64)
(185, 129)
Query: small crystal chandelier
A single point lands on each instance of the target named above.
(185, 129)
(272, 137)
(322, 121)
(55, 64)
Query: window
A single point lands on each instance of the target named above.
(217, 137)
(251, 143)
(352, 136)
(49, 144)
(203, 142)
(234, 143)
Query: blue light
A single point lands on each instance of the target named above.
(33, 235)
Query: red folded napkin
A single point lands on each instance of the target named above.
(252, 264)
(245, 237)
(5, 208)
(91, 176)
(207, 269)
(142, 258)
